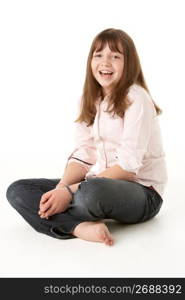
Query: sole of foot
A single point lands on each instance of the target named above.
(94, 232)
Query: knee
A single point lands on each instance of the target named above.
(92, 191)
(14, 191)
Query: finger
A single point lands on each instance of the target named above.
(48, 206)
(45, 206)
(44, 216)
(51, 211)
(45, 197)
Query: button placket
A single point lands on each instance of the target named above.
(100, 138)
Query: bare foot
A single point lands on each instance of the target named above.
(93, 231)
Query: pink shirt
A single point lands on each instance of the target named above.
(132, 142)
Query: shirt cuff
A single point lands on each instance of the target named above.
(130, 165)
(87, 167)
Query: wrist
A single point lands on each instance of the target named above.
(61, 183)
(74, 187)
(65, 186)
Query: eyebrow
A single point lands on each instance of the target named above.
(111, 51)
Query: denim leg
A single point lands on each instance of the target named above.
(95, 199)
(121, 200)
(25, 194)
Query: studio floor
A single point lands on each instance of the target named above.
(41, 80)
(152, 249)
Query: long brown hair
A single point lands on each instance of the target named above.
(132, 74)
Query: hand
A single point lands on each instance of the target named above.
(53, 202)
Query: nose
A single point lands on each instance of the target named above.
(105, 61)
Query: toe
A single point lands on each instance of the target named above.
(111, 242)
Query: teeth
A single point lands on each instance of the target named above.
(106, 72)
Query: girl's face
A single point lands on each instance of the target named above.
(107, 68)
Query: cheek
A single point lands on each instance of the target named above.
(121, 69)
(94, 70)
(93, 67)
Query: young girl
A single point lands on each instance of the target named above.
(117, 169)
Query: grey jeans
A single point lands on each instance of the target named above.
(95, 199)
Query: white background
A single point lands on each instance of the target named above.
(43, 52)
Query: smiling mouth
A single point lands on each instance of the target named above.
(105, 73)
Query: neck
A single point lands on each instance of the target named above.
(106, 94)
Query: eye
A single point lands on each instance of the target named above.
(116, 56)
(97, 55)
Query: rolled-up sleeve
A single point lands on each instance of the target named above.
(85, 150)
(137, 128)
